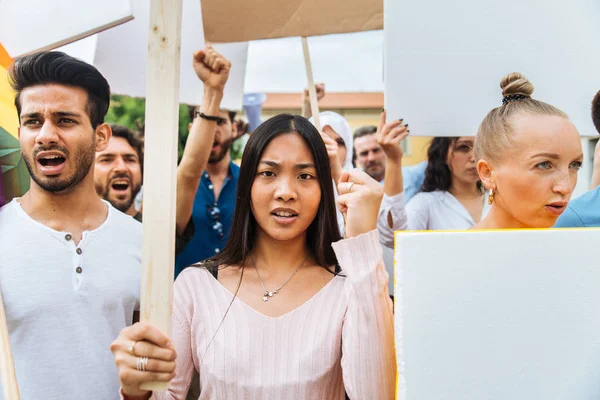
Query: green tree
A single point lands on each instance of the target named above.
(131, 112)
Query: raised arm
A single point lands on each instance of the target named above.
(213, 70)
(392, 215)
(368, 354)
(306, 110)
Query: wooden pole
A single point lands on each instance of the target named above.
(7, 366)
(160, 162)
(312, 91)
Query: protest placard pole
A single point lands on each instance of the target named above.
(160, 154)
(312, 91)
(7, 366)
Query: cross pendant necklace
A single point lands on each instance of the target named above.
(268, 294)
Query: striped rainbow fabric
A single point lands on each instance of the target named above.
(14, 179)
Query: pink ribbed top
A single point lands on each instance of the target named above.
(342, 338)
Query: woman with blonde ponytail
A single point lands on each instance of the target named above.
(528, 154)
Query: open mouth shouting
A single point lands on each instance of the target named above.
(121, 185)
(284, 216)
(51, 162)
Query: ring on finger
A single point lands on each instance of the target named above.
(350, 184)
(141, 363)
(131, 348)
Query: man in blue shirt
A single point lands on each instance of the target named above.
(215, 199)
(584, 212)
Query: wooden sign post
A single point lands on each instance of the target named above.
(312, 91)
(162, 120)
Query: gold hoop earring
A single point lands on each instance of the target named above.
(491, 196)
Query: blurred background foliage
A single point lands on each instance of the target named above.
(130, 112)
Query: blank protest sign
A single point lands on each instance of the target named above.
(444, 60)
(498, 315)
(27, 26)
(121, 55)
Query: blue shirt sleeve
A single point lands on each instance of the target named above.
(413, 177)
(570, 219)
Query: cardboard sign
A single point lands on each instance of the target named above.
(27, 26)
(244, 20)
(444, 60)
(121, 56)
(498, 315)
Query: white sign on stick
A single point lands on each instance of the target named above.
(498, 315)
(121, 55)
(27, 26)
(123, 61)
(444, 60)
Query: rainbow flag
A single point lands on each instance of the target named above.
(14, 178)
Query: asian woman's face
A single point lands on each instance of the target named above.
(286, 193)
(535, 179)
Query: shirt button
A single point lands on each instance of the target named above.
(79, 251)
(210, 186)
(68, 237)
(217, 250)
(79, 270)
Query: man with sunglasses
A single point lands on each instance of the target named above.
(212, 188)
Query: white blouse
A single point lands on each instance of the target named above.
(426, 211)
(440, 211)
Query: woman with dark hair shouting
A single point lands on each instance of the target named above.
(287, 310)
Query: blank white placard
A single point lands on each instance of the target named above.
(444, 60)
(121, 55)
(27, 26)
(498, 315)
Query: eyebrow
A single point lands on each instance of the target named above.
(117, 154)
(297, 166)
(553, 156)
(54, 113)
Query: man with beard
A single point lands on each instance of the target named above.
(372, 159)
(70, 263)
(118, 175)
(215, 198)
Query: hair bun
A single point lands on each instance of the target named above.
(516, 84)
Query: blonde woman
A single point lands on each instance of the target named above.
(528, 154)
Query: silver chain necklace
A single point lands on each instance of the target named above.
(267, 294)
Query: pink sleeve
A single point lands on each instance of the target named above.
(182, 320)
(368, 353)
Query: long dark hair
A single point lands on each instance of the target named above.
(321, 233)
(437, 174)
